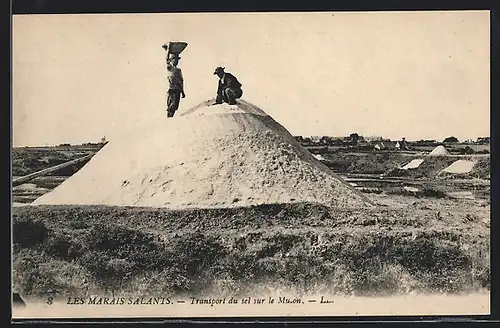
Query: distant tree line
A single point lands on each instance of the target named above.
(354, 139)
(101, 142)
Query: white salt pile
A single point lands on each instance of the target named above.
(212, 156)
(459, 167)
(410, 189)
(26, 186)
(17, 204)
(461, 194)
(413, 164)
(319, 157)
(439, 151)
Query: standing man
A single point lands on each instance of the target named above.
(175, 85)
(229, 87)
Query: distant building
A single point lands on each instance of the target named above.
(389, 145)
(325, 140)
(336, 142)
(346, 141)
(483, 140)
(374, 138)
(316, 139)
(385, 145)
(365, 145)
(427, 142)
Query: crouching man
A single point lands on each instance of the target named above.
(229, 87)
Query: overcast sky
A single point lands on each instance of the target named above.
(77, 78)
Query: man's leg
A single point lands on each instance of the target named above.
(238, 93)
(224, 96)
(173, 100)
(231, 95)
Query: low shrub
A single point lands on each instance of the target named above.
(31, 277)
(431, 192)
(62, 246)
(27, 232)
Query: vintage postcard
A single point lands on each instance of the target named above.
(251, 164)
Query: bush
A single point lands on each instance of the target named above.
(450, 139)
(62, 246)
(196, 252)
(96, 262)
(379, 278)
(396, 172)
(146, 251)
(424, 192)
(425, 255)
(30, 277)
(466, 150)
(78, 225)
(28, 232)
(431, 192)
(118, 271)
(118, 240)
(110, 273)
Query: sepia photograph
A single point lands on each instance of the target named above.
(188, 165)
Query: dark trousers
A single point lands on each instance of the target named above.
(173, 100)
(229, 95)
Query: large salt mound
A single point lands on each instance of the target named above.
(460, 167)
(415, 163)
(439, 151)
(212, 156)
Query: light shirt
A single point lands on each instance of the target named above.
(175, 78)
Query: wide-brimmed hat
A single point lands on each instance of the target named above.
(219, 69)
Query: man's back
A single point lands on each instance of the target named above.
(229, 81)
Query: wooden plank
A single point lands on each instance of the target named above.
(374, 180)
(26, 178)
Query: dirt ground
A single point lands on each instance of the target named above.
(429, 233)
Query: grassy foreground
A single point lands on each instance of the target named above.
(84, 250)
